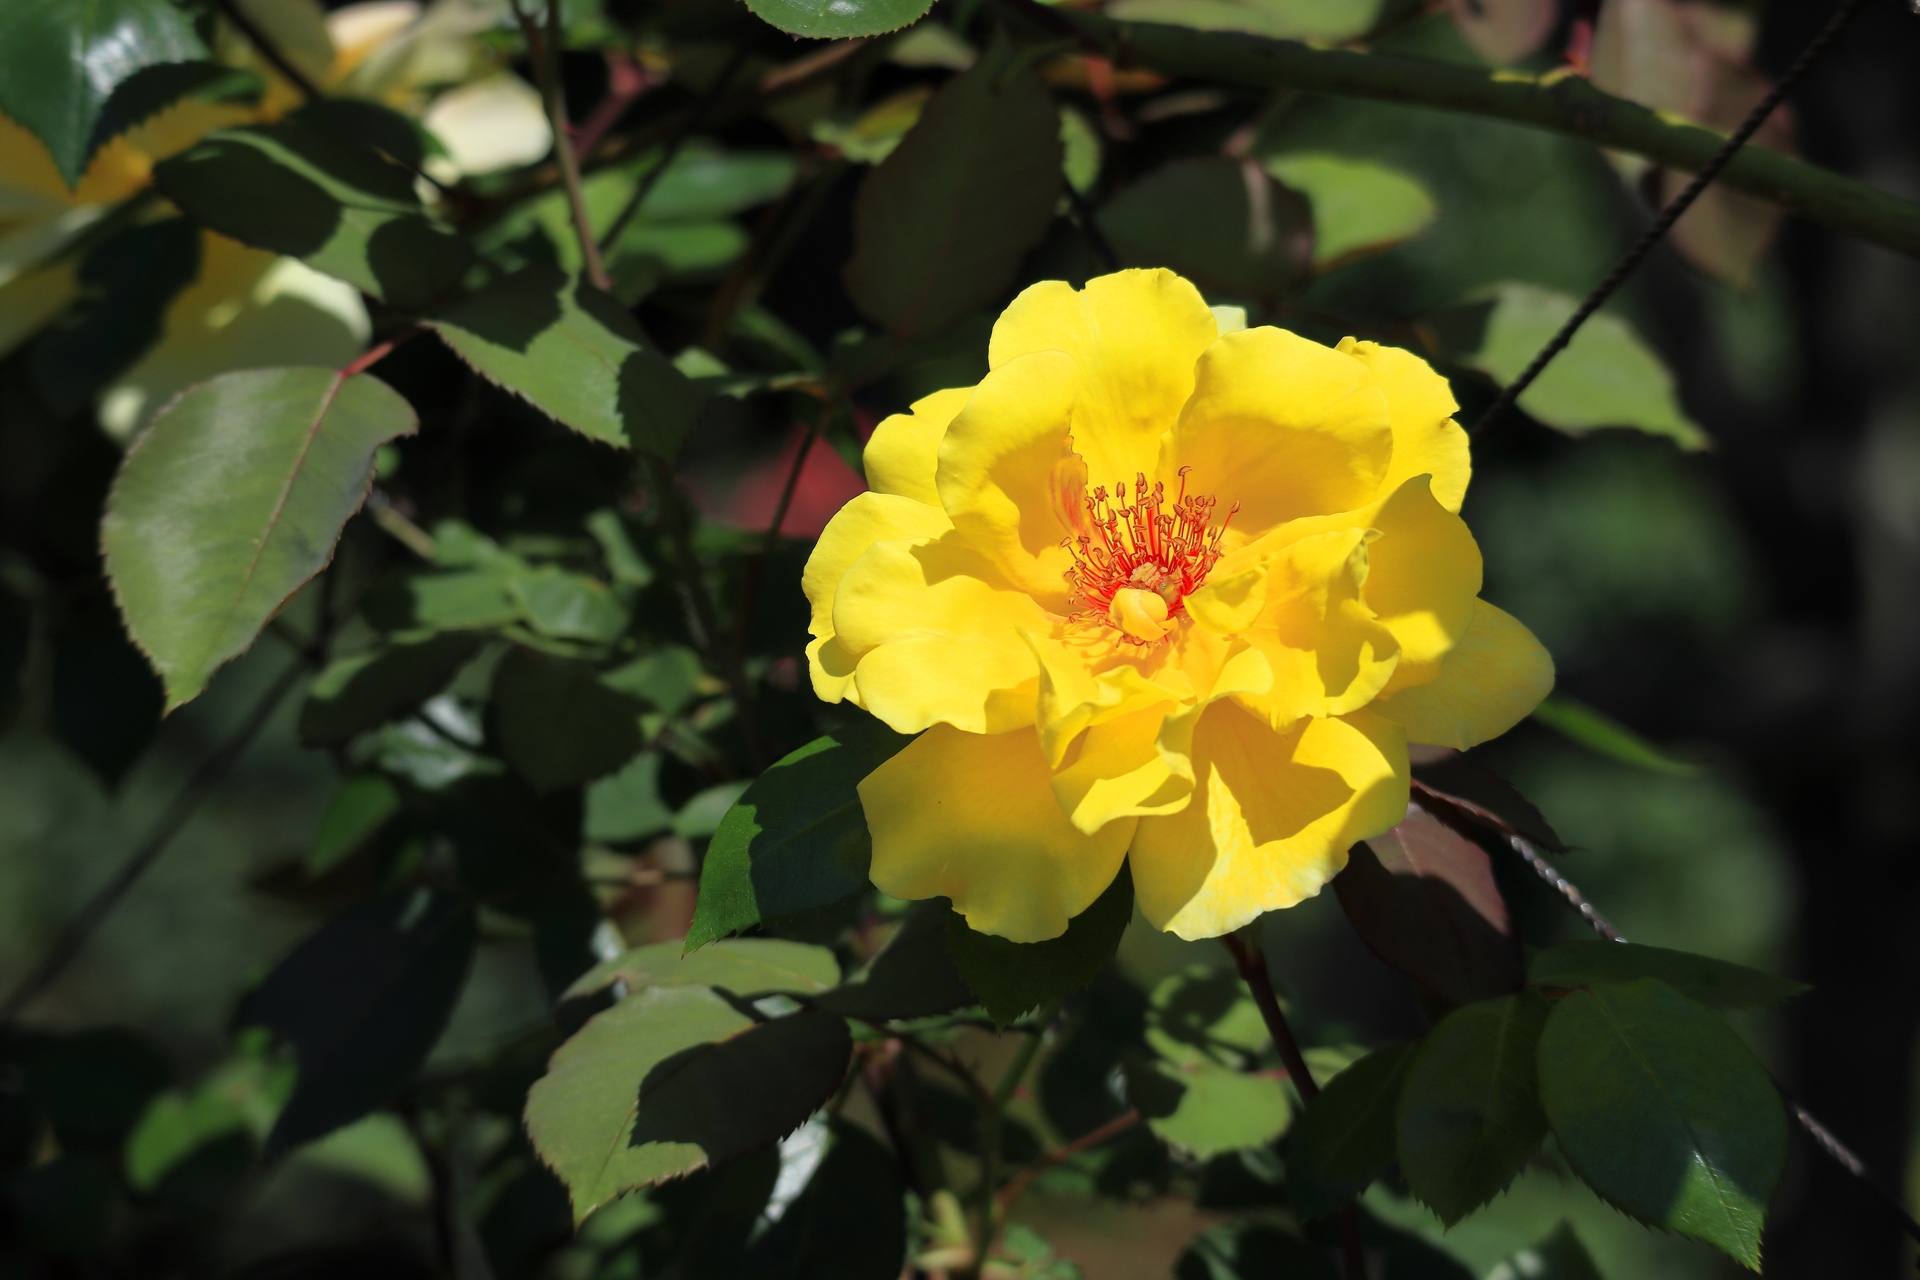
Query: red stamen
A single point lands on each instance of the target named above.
(1140, 546)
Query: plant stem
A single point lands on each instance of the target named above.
(247, 27)
(1253, 970)
(1558, 101)
(545, 55)
(1018, 1185)
(692, 121)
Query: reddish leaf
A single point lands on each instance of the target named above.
(1422, 897)
(1463, 792)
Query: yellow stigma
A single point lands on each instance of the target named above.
(1141, 614)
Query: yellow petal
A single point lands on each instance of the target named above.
(936, 635)
(1329, 654)
(1118, 770)
(1491, 680)
(1141, 614)
(1271, 817)
(1282, 426)
(1008, 476)
(1073, 695)
(1135, 336)
(1426, 439)
(971, 817)
(867, 519)
(1423, 575)
(904, 450)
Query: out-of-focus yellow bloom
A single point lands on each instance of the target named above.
(1161, 593)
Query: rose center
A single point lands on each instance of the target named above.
(1138, 563)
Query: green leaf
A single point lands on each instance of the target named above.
(361, 807)
(1607, 376)
(232, 500)
(745, 967)
(1219, 1108)
(1224, 224)
(559, 725)
(1470, 1107)
(336, 204)
(575, 354)
(1423, 898)
(702, 814)
(1608, 737)
(1663, 1110)
(126, 284)
(365, 690)
(568, 606)
(61, 60)
(1718, 984)
(1328, 21)
(747, 1090)
(839, 18)
(627, 805)
(1560, 1256)
(362, 1002)
(913, 976)
(1011, 978)
(241, 1096)
(1470, 794)
(1205, 1015)
(797, 837)
(580, 1114)
(1345, 1137)
(1359, 207)
(941, 225)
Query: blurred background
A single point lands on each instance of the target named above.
(1752, 609)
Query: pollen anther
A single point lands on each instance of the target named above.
(1139, 546)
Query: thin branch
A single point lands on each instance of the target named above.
(1558, 101)
(246, 26)
(693, 120)
(1018, 1184)
(1253, 970)
(396, 525)
(203, 782)
(1564, 887)
(1657, 230)
(545, 54)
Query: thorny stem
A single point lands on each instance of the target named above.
(1558, 101)
(1017, 1186)
(1253, 970)
(545, 55)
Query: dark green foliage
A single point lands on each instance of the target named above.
(1254, 1252)
(361, 1003)
(796, 839)
(847, 1224)
(364, 691)
(941, 224)
(559, 724)
(1469, 1105)
(1662, 1109)
(126, 285)
(913, 976)
(321, 196)
(747, 1090)
(106, 698)
(1716, 983)
(90, 1086)
(1346, 1136)
(1224, 224)
(1012, 978)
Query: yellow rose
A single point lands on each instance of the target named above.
(1156, 592)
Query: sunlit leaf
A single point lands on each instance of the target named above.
(743, 966)
(1326, 20)
(1359, 207)
(575, 354)
(838, 18)
(61, 60)
(1661, 1108)
(231, 501)
(1607, 376)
